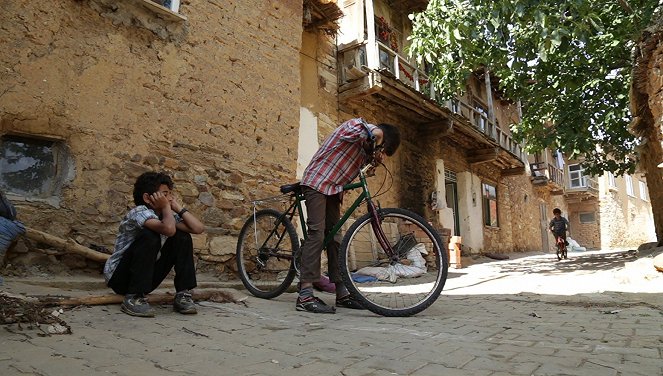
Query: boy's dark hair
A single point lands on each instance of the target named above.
(391, 138)
(149, 182)
(557, 211)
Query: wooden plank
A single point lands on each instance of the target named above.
(483, 155)
(515, 171)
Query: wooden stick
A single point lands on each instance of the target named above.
(65, 245)
(214, 295)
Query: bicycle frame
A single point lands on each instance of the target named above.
(296, 208)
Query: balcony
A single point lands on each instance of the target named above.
(545, 174)
(373, 71)
(585, 189)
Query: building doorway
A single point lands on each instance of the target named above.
(545, 247)
(451, 191)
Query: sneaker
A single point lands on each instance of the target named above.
(349, 302)
(313, 304)
(136, 305)
(184, 303)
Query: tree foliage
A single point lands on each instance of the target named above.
(569, 62)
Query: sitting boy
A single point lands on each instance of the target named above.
(153, 238)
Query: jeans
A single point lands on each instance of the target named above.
(323, 212)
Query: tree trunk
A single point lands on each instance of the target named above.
(645, 125)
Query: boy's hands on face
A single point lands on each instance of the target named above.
(175, 205)
(159, 200)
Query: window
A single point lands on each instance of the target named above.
(629, 185)
(480, 115)
(32, 167)
(169, 9)
(611, 180)
(576, 177)
(643, 190)
(490, 205)
(173, 5)
(588, 217)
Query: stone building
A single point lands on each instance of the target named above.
(95, 92)
(233, 98)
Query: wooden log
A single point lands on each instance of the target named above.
(214, 295)
(65, 245)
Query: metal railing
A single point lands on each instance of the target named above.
(554, 174)
(588, 184)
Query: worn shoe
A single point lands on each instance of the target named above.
(313, 304)
(136, 305)
(349, 302)
(184, 303)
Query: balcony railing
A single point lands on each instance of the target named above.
(587, 184)
(403, 70)
(481, 121)
(552, 173)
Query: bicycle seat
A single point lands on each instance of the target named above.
(295, 187)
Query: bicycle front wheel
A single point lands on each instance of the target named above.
(265, 249)
(394, 286)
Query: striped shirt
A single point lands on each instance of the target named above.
(130, 227)
(339, 159)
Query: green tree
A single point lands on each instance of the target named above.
(571, 63)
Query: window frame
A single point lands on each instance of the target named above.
(612, 181)
(593, 213)
(628, 180)
(581, 176)
(486, 201)
(62, 169)
(644, 193)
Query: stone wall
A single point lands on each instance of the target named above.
(588, 234)
(212, 100)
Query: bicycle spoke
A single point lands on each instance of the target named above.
(264, 253)
(402, 288)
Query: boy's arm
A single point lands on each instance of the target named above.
(164, 226)
(189, 223)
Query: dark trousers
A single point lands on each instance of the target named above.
(140, 272)
(563, 236)
(323, 212)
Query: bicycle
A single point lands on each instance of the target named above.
(378, 256)
(560, 247)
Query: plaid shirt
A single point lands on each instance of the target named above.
(130, 227)
(339, 159)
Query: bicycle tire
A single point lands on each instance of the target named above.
(399, 298)
(560, 250)
(267, 272)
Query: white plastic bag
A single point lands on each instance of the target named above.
(379, 272)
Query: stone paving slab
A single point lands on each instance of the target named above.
(465, 332)
(271, 338)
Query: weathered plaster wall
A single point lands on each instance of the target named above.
(626, 221)
(213, 100)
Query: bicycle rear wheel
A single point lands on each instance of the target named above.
(560, 249)
(265, 249)
(402, 288)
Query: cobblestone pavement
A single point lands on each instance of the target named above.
(530, 316)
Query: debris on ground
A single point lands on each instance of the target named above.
(34, 314)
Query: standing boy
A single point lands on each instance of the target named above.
(335, 164)
(154, 237)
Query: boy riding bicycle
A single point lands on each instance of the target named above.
(559, 225)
